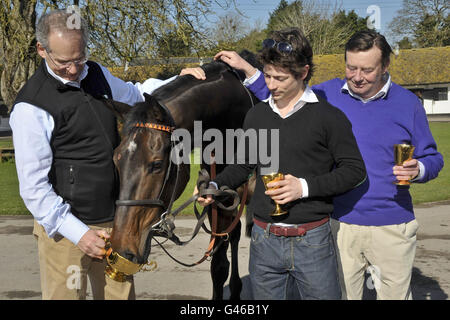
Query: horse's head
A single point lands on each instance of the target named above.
(143, 162)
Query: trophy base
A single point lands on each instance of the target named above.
(278, 213)
(402, 183)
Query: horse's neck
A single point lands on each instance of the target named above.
(184, 114)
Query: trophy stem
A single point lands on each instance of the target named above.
(276, 176)
(279, 211)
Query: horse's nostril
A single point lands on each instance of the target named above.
(129, 256)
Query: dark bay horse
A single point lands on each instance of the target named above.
(145, 168)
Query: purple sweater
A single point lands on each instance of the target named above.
(399, 117)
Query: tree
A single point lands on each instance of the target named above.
(171, 45)
(232, 32)
(273, 15)
(142, 25)
(123, 31)
(350, 19)
(327, 28)
(405, 43)
(120, 31)
(430, 32)
(230, 28)
(226, 33)
(17, 52)
(426, 22)
(347, 21)
(252, 41)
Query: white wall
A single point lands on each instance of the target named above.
(435, 106)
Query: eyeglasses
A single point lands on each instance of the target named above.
(66, 65)
(283, 47)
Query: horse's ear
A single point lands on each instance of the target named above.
(151, 101)
(148, 97)
(120, 109)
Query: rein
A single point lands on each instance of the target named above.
(224, 193)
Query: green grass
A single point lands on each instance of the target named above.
(10, 201)
(435, 190)
(195, 168)
(6, 143)
(439, 188)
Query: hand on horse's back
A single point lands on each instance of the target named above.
(234, 60)
(92, 243)
(197, 72)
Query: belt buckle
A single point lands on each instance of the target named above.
(302, 231)
(288, 232)
(294, 232)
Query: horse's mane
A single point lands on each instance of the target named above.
(213, 70)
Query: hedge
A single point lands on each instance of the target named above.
(141, 73)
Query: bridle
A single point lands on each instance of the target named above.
(152, 202)
(120, 268)
(157, 202)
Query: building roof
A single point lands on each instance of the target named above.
(409, 67)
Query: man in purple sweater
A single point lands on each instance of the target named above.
(374, 224)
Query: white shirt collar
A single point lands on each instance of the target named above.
(68, 82)
(308, 96)
(381, 94)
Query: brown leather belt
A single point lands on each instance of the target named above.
(298, 231)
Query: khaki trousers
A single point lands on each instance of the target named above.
(386, 252)
(64, 270)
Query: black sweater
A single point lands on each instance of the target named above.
(316, 143)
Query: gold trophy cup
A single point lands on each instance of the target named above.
(120, 269)
(270, 178)
(402, 153)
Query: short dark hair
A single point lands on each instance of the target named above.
(294, 61)
(365, 40)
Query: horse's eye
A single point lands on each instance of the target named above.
(155, 166)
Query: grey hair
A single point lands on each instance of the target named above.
(60, 20)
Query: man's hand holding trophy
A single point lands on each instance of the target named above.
(282, 189)
(406, 168)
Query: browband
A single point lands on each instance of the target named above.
(155, 126)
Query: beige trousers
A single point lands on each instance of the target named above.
(386, 252)
(65, 269)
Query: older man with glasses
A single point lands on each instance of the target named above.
(64, 139)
